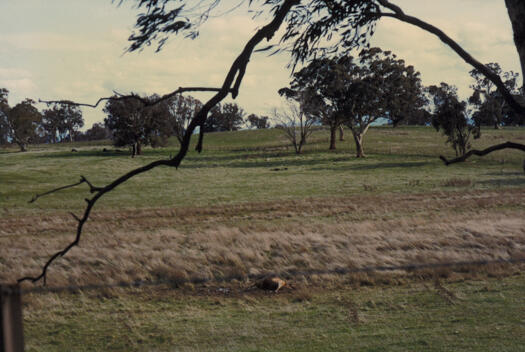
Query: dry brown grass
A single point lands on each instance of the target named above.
(258, 238)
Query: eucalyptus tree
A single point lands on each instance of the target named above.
(181, 110)
(134, 124)
(4, 107)
(22, 122)
(488, 101)
(450, 116)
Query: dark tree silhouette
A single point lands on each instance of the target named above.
(258, 122)
(489, 103)
(450, 116)
(4, 108)
(134, 124)
(21, 122)
(181, 110)
(62, 119)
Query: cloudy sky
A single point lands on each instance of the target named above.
(63, 49)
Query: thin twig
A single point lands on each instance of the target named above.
(146, 102)
(36, 196)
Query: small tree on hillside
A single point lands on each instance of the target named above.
(224, 117)
(296, 123)
(97, 132)
(450, 116)
(181, 110)
(22, 123)
(4, 108)
(134, 124)
(258, 122)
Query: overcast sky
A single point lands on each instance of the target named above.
(63, 49)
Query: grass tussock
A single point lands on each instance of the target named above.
(217, 250)
(457, 182)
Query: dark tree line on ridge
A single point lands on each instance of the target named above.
(309, 27)
(129, 121)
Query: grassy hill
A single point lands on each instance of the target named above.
(248, 205)
(241, 167)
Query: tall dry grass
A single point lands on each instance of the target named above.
(257, 238)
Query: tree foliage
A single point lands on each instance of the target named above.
(450, 116)
(62, 120)
(4, 108)
(491, 107)
(258, 122)
(22, 122)
(181, 110)
(134, 124)
(225, 117)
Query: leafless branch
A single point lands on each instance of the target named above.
(400, 15)
(146, 102)
(237, 70)
(510, 145)
(36, 196)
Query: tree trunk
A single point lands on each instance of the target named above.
(516, 10)
(358, 138)
(139, 148)
(341, 132)
(22, 146)
(333, 129)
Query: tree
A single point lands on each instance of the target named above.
(322, 82)
(358, 91)
(134, 124)
(225, 117)
(450, 116)
(296, 123)
(22, 122)
(488, 101)
(347, 24)
(97, 132)
(181, 111)
(4, 108)
(258, 122)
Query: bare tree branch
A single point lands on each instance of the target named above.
(36, 196)
(483, 152)
(146, 102)
(400, 15)
(237, 70)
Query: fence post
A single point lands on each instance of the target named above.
(11, 324)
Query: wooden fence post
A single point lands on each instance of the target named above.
(11, 324)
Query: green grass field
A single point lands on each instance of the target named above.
(248, 205)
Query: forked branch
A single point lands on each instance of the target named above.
(231, 85)
(510, 145)
(146, 102)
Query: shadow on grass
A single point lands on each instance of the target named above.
(375, 166)
(86, 153)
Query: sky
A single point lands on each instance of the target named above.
(75, 50)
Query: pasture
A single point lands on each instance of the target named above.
(247, 206)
